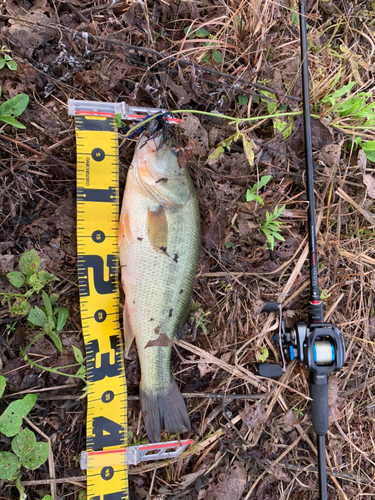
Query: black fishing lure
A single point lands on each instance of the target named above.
(158, 125)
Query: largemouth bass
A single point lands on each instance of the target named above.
(159, 238)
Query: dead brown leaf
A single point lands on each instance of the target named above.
(193, 129)
(333, 398)
(230, 486)
(330, 154)
(211, 231)
(288, 421)
(188, 479)
(7, 263)
(253, 419)
(26, 36)
(369, 182)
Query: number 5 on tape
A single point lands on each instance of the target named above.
(97, 242)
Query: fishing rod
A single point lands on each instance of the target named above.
(319, 346)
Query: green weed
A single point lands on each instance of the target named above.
(11, 108)
(252, 194)
(201, 32)
(198, 316)
(26, 451)
(6, 59)
(50, 318)
(264, 353)
(271, 227)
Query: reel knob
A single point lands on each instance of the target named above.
(270, 370)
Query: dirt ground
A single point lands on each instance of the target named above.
(239, 58)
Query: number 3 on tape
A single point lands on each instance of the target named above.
(97, 227)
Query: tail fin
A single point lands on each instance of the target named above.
(166, 410)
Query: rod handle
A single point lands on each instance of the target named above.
(319, 404)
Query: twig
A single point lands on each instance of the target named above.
(366, 214)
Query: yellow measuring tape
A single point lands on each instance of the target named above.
(97, 243)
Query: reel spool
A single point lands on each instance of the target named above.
(324, 352)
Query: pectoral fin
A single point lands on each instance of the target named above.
(124, 228)
(157, 228)
(128, 332)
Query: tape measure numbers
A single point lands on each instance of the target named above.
(97, 243)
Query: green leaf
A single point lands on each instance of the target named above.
(2, 63)
(217, 56)
(366, 112)
(11, 121)
(271, 105)
(40, 279)
(62, 318)
(118, 120)
(37, 457)
(278, 236)
(35, 282)
(331, 98)
(243, 100)
(15, 106)
(199, 33)
(78, 354)
(2, 385)
(285, 127)
(16, 278)
(37, 317)
(48, 497)
(215, 155)
(248, 147)
(11, 419)
(9, 464)
(29, 262)
(49, 326)
(264, 180)
(277, 213)
(81, 372)
(258, 198)
(55, 339)
(350, 106)
(263, 354)
(23, 443)
(82, 495)
(47, 304)
(12, 65)
(20, 307)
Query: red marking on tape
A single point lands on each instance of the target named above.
(173, 444)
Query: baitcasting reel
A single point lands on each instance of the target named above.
(320, 347)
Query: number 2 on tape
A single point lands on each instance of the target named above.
(97, 242)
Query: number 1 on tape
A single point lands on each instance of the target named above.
(97, 242)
